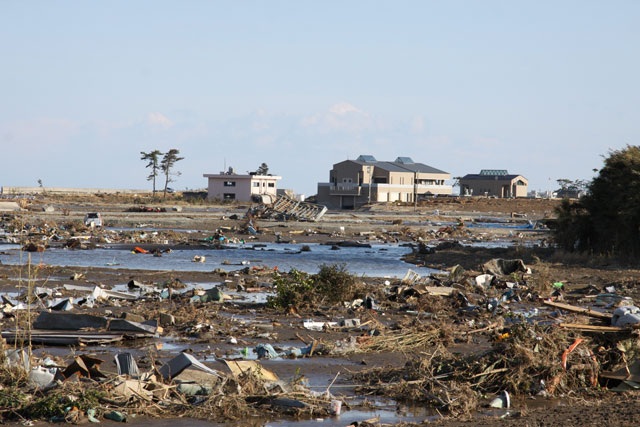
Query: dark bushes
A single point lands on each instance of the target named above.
(607, 219)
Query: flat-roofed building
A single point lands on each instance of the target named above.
(242, 188)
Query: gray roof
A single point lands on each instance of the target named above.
(477, 176)
(366, 158)
(404, 160)
(401, 167)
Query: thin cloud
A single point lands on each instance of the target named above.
(159, 120)
(344, 108)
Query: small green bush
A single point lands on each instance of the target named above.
(332, 284)
(293, 289)
(335, 283)
(11, 398)
(55, 403)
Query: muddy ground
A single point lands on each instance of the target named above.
(424, 358)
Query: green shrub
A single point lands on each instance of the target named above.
(292, 289)
(335, 283)
(55, 403)
(332, 284)
(11, 398)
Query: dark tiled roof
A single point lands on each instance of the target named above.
(366, 158)
(402, 167)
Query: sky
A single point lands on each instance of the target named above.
(544, 89)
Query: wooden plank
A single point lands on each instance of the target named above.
(626, 373)
(238, 367)
(60, 338)
(593, 328)
(580, 310)
(443, 291)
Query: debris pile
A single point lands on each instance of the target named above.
(183, 386)
(286, 209)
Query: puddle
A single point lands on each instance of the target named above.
(498, 243)
(189, 286)
(9, 247)
(173, 346)
(239, 317)
(248, 353)
(248, 297)
(500, 225)
(152, 229)
(11, 295)
(36, 279)
(389, 413)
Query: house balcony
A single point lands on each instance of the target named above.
(345, 189)
(350, 189)
(420, 188)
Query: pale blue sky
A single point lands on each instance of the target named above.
(542, 88)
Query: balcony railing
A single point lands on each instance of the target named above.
(345, 189)
(349, 189)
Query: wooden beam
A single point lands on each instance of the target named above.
(593, 328)
(580, 310)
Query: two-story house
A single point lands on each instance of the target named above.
(353, 183)
(242, 188)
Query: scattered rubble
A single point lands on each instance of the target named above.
(488, 329)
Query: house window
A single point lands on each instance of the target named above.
(272, 184)
(229, 183)
(256, 184)
(229, 196)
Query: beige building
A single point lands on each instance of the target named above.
(353, 183)
(242, 188)
(492, 182)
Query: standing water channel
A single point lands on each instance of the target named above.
(380, 260)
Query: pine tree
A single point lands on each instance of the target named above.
(167, 163)
(153, 158)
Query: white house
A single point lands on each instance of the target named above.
(243, 188)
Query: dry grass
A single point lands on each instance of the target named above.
(525, 362)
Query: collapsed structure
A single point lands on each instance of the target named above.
(285, 208)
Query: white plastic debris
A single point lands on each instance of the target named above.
(503, 401)
(625, 315)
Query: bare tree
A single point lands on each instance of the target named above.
(167, 163)
(153, 157)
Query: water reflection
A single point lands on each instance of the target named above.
(380, 260)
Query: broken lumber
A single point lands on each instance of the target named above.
(593, 328)
(579, 310)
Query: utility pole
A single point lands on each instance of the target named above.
(415, 191)
(370, 180)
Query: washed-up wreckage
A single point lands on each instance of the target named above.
(530, 340)
(284, 208)
(526, 339)
(181, 386)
